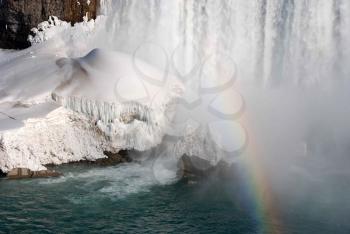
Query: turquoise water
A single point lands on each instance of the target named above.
(127, 199)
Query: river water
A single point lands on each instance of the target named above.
(127, 199)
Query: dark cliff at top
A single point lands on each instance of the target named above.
(18, 17)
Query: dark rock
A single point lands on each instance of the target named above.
(18, 17)
(113, 159)
(2, 174)
(22, 173)
(192, 167)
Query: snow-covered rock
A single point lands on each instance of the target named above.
(91, 114)
(60, 137)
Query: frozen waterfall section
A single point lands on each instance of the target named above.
(99, 104)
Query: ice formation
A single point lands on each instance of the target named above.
(60, 137)
(93, 116)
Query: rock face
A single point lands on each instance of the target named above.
(18, 17)
(22, 173)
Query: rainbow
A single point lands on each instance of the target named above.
(258, 187)
(257, 184)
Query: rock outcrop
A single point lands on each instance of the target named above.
(18, 17)
(192, 168)
(22, 173)
(112, 159)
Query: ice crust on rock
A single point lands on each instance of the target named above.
(127, 125)
(91, 119)
(61, 137)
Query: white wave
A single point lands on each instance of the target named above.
(115, 182)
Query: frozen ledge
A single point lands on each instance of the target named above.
(80, 130)
(61, 137)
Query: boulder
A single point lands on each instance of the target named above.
(18, 17)
(113, 159)
(2, 174)
(193, 167)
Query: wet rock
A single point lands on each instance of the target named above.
(22, 173)
(18, 17)
(192, 167)
(113, 159)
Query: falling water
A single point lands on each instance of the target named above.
(272, 41)
(290, 57)
(298, 45)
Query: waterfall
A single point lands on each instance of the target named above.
(302, 42)
(284, 54)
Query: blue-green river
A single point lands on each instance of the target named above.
(127, 199)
